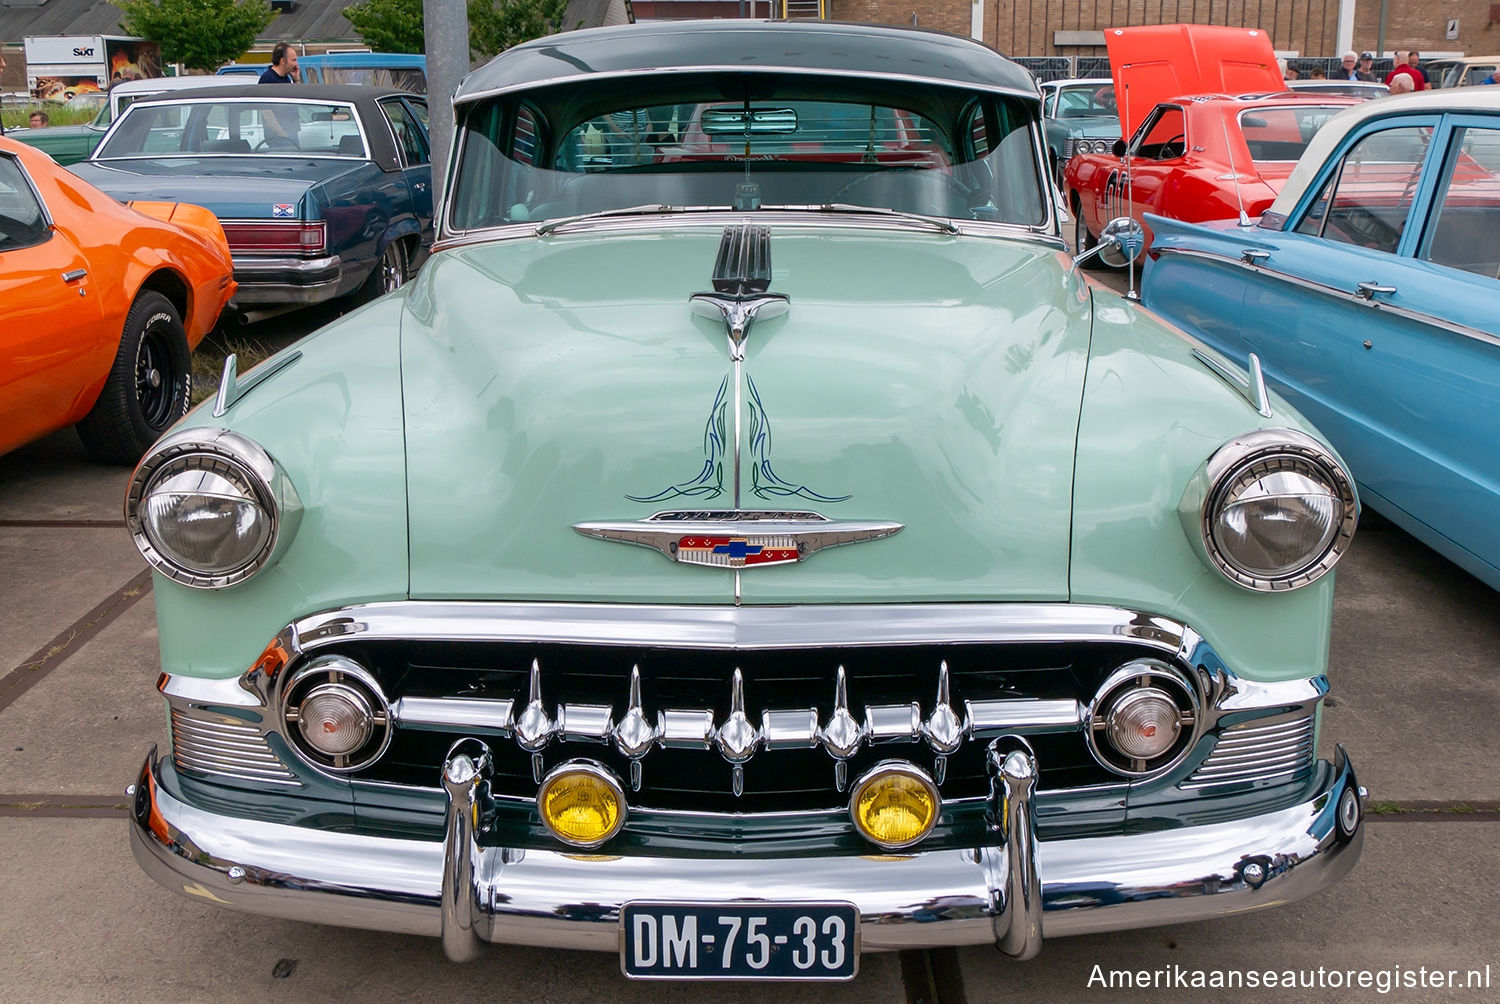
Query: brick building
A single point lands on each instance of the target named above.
(1073, 27)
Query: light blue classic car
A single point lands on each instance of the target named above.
(323, 190)
(1079, 116)
(750, 541)
(1370, 294)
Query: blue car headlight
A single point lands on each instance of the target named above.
(210, 508)
(1272, 510)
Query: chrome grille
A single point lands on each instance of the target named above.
(218, 744)
(1245, 753)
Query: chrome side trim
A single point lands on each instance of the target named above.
(561, 899)
(205, 742)
(1251, 388)
(1255, 752)
(1463, 330)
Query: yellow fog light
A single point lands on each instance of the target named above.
(894, 805)
(581, 803)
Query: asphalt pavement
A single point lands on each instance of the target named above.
(1415, 699)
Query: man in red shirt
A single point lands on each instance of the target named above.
(1407, 66)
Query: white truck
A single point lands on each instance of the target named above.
(59, 67)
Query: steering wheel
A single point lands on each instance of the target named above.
(849, 191)
(274, 142)
(1170, 149)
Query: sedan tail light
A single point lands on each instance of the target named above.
(276, 236)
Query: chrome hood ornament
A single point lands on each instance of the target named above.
(738, 538)
(742, 276)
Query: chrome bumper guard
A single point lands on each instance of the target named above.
(1011, 894)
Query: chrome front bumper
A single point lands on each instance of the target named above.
(1011, 894)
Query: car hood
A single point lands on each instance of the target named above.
(1154, 63)
(232, 187)
(927, 380)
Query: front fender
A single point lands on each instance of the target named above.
(1152, 414)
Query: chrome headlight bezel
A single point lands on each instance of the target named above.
(1298, 453)
(238, 458)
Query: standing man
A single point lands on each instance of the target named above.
(1413, 58)
(1347, 68)
(1405, 69)
(283, 68)
(40, 120)
(1366, 69)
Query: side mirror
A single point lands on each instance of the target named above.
(1120, 244)
(1119, 148)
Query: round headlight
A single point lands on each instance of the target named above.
(202, 513)
(1277, 510)
(894, 805)
(210, 508)
(1144, 724)
(1143, 719)
(336, 714)
(335, 719)
(581, 803)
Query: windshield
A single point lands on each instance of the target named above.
(245, 126)
(407, 78)
(747, 142)
(1279, 134)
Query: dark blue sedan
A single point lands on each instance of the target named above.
(322, 190)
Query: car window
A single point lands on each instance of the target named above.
(1163, 136)
(1274, 134)
(22, 222)
(1082, 102)
(247, 126)
(1368, 198)
(1464, 231)
(407, 132)
(590, 148)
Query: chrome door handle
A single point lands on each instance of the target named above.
(1252, 257)
(75, 275)
(1367, 290)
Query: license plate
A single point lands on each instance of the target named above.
(739, 941)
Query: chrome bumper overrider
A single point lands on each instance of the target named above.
(1012, 893)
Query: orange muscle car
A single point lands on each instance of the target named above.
(101, 305)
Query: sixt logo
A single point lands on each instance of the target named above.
(84, 52)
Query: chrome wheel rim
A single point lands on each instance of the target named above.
(391, 272)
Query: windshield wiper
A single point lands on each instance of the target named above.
(650, 209)
(936, 222)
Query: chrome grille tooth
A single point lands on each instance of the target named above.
(634, 735)
(843, 734)
(534, 727)
(737, 738)
(944, 729)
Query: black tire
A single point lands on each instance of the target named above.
(149, 386)
(390, 273)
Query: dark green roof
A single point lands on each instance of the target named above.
(800, 46)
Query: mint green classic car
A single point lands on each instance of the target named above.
(749, 542)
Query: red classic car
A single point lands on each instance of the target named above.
(1195, 153)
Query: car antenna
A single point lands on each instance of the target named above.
(1130, 292)
(1234, 175)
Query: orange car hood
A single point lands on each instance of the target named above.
(1155, 63)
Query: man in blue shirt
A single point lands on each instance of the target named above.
(283, 68)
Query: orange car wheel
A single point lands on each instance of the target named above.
(149, 386)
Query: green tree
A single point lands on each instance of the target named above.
(199, 34)
(494, 25)
(388, 25)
